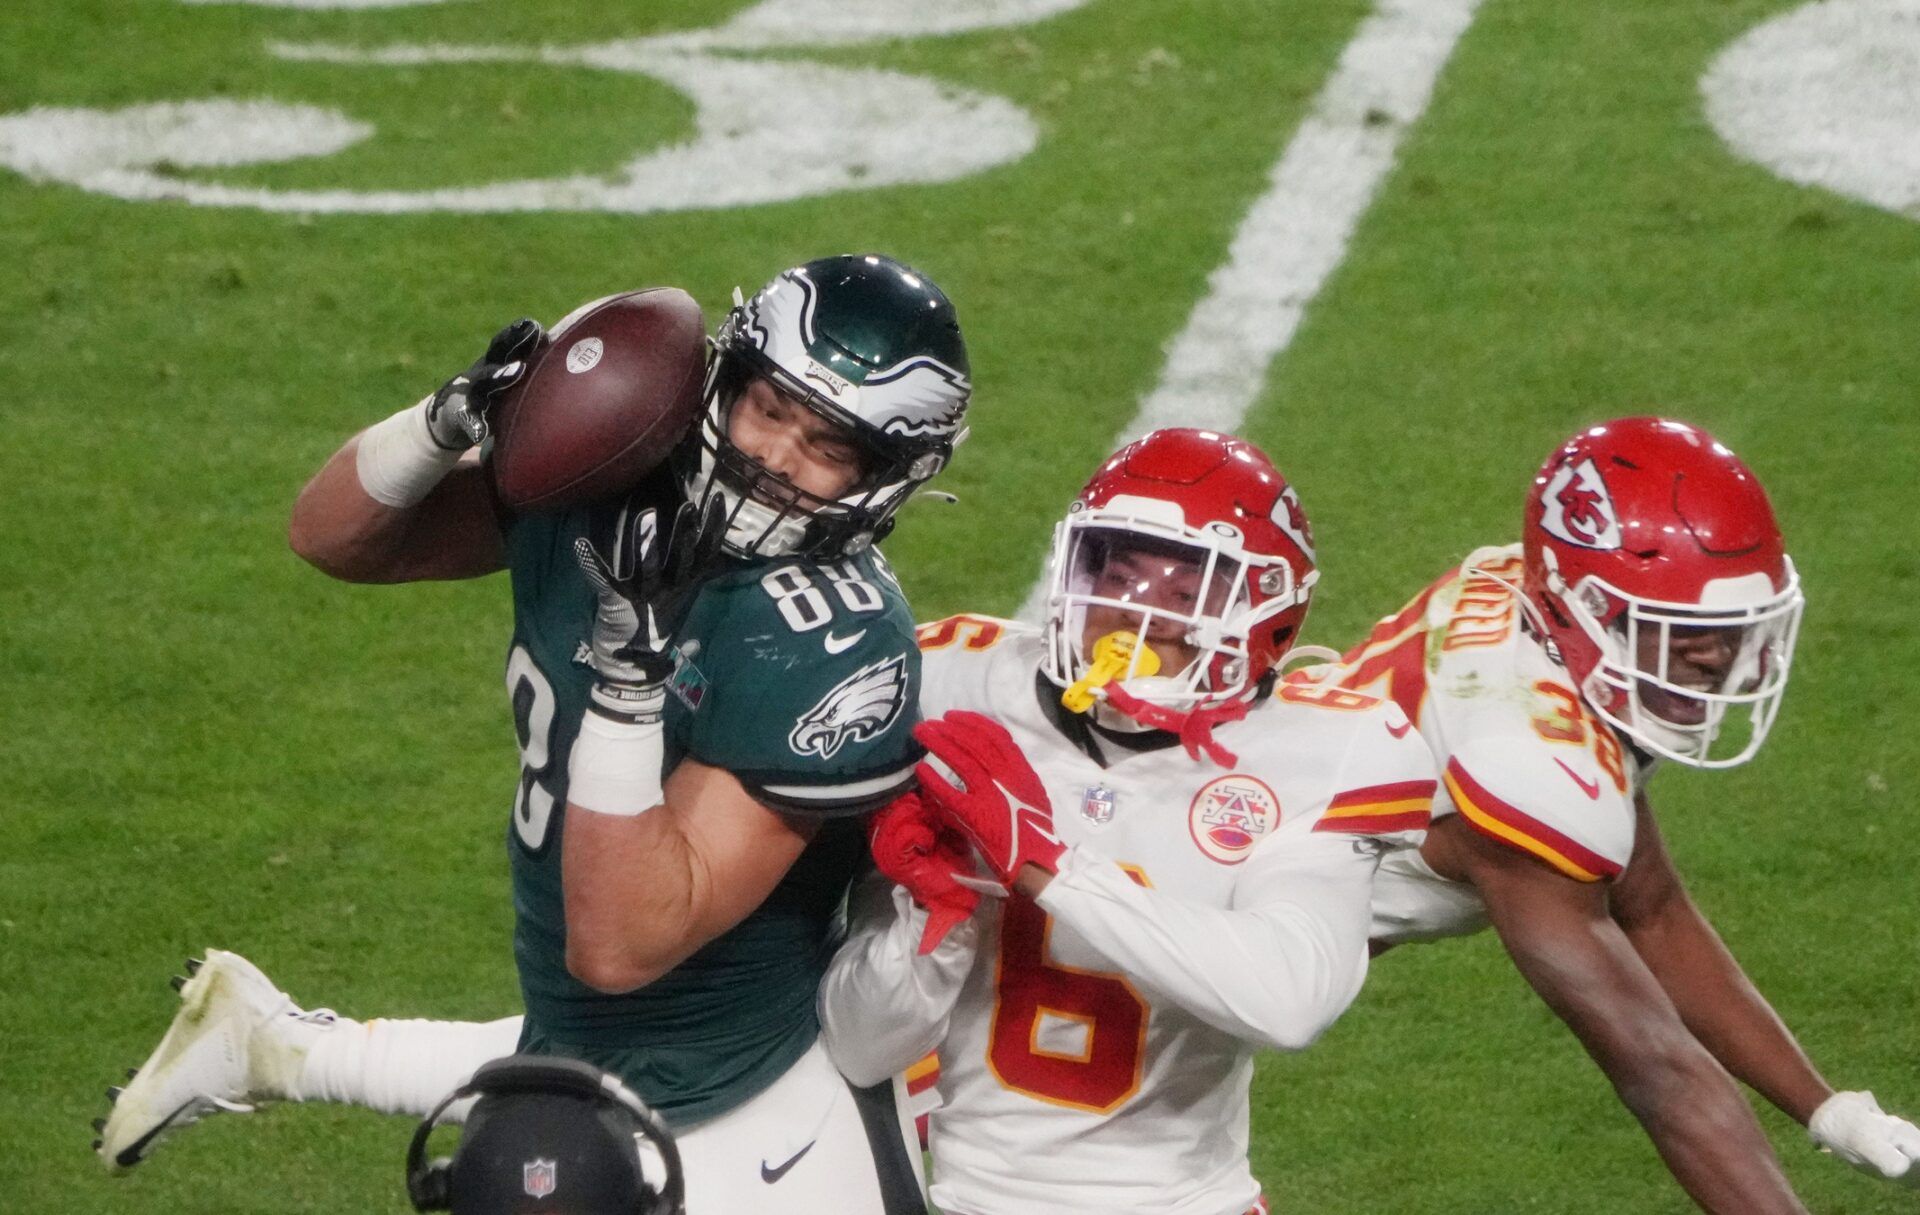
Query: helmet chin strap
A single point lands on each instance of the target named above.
(1194, 728)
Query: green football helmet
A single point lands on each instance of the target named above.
(868, 344)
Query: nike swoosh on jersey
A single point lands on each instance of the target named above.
(772, 1175)
(840, 645)
(1589, 787)
(1399, 731)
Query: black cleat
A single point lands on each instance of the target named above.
(178, 981)
(114, 1091)
(99, 1126)
(193, 966)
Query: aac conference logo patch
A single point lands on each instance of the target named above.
(1230, 815)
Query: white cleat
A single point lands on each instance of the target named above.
(226, 1050)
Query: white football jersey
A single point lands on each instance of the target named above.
(1097, 1054)
(1518, 751)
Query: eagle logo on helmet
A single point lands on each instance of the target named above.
(859, 707)
(917, 398)
(1577, 508)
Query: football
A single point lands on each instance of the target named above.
(616, 386)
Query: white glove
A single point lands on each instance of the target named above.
(1853, 1127)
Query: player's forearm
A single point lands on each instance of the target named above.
(652, 876)
(1278, 974)
(883, 1006)
(1709, 1139)
(634, 893)
(1724, 1010)
(338, 527)
(1689, 1106)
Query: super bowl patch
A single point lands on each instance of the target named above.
(689, 684)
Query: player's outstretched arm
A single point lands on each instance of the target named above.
(1734, 1021)
(407, 499)
(1277, 967)
(883, 1004)
(1567, 946)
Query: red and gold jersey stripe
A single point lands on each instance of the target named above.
(923, 1075)
(921, 1078)
(1380, 809)
(1513, 826)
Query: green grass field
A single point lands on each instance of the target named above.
(208, 743)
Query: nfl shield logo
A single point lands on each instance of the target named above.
(538, 1177)
(1097, 806)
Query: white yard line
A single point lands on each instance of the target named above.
(1295, 234)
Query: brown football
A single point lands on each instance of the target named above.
(616, 386)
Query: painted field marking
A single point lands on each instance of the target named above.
(1827, 95)
(766, 129)
(1296, 233)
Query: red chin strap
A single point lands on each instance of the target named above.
(1194, 729)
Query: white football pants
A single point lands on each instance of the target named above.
(811, 1144)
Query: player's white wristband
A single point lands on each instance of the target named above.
(615, 765)
(398, 461)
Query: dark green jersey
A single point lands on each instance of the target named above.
(802, 679)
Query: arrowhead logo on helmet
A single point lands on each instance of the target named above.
(1290, 517)
(1578, 508)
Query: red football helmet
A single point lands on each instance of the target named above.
(1659, 574)
(1192, 542)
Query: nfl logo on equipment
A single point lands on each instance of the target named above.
(1097, 806)
(538, 1177)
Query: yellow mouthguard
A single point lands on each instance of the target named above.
(1112, 655)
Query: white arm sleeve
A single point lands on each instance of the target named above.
(882, 1005)
(1277, 967)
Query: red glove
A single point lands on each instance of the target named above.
(1003, 807)
(921, 853)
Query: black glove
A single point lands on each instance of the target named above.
(457, 414)
(645, 587)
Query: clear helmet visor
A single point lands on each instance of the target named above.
(1145, 607)
(1700, 685)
